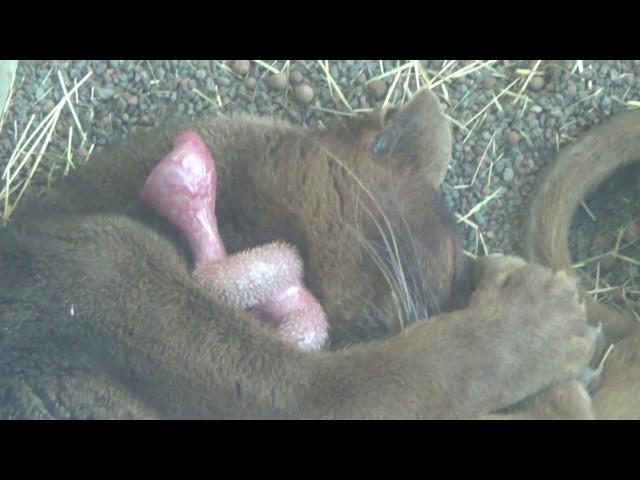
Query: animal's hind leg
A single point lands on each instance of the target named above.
(112, 181)
(73, 396)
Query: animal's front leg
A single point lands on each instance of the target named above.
(565, 401)
(568, 400)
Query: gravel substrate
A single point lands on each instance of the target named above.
(507, 142)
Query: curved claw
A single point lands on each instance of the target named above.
(590, 377)
(595, 333)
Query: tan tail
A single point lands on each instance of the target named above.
(575, 173)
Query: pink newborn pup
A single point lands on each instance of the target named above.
(267, 279)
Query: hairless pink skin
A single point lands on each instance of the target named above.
(267, 279)
(182, 187)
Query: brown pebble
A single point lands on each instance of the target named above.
(512, 137)
(61, 127)
(277, 81)
(587, 73)
(489, 82)
(607, 263)
(617, 295)
(377, 89)
(133, 101)
(250, 83)
(572, 88)
(241, 66)
(599, 241)
(508, 174)
(536, 83)
(632, 232)
(295, 77)
(304, 93)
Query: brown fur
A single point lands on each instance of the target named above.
(100, 317)
(618, 396)
(577, 171)
(564, 401)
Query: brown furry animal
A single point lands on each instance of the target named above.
(101, 318)
(578, 170)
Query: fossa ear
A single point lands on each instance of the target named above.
(414, 138)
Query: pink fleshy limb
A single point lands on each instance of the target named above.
(267, 279)
(182, 187)
(300, 317)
